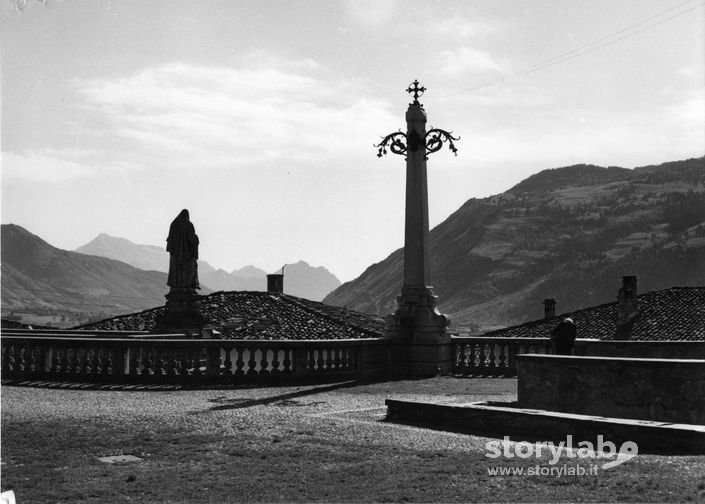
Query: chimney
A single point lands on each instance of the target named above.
(549, 308)
(275, 283)
(627, 307)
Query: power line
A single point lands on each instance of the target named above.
(586, 48)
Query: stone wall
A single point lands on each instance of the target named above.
(643, 349)
(669, 390)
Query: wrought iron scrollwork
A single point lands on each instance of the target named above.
(435, 138)
(401, 143)
(394, 142)
(432, 141)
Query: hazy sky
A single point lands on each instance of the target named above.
(260, 116)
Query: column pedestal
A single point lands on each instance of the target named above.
(419, 334)
(183, 312)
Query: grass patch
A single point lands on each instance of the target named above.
(288, 445)
(55, 462)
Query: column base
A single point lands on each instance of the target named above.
(419, 332)
(183, 312)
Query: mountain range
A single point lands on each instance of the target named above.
(300, 279)
(111, 276)
(40, 278)
(567, 233)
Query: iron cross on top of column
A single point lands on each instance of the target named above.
(416, 91)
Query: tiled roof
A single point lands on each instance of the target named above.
(261, 315)
(671, 314)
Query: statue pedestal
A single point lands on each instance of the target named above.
(419, 331)
(183, 311)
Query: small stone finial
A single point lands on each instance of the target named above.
(416, 91)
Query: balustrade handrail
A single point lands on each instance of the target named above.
(202, 342)
(497, 339)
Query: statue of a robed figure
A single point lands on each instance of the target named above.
(183, 307)
(182, 245)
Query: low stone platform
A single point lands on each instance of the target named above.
(506, 419)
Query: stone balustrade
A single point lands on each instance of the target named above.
(493, 356)
(187, 361)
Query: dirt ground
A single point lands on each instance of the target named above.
(318, 443)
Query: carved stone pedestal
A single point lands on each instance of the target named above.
(423, 346)
(183, 311)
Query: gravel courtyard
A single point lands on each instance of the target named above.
(324, 443)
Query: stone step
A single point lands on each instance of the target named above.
(522, 424)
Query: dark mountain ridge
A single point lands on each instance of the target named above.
(569, 233)
(39, 277)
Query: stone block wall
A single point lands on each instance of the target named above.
(669, 390)
(642, 349)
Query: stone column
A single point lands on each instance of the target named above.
(423, 344)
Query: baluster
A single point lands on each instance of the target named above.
(337, 364)
(7, 359)
(11, 363)
(100, 361)
(78, 361)
(20, 359)
(473, 357)
(159, 363)
(183, 371)
(171, 364)
(503, 357)
(287, 360)
(491, 357)
(196, 363)
(252, 363)
(84, 362)
(467, 357)
(322, 360)
(41, 362)
(344, 360)
(240, 363)
(275, 361)
(481, 356)
(66, 362)
(228, 364)
(56, 361)
(214, 361)
(108, 367)
(136, 363)
(24, 359)
(147, 364)
(31, 360)
(264, 364)
(312, 361)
